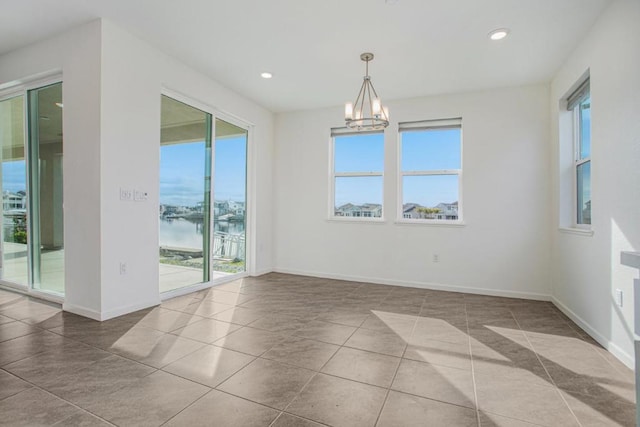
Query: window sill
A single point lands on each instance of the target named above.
(587, 232)
(443, 223)
(356, 220)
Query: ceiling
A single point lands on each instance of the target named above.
(422, 47)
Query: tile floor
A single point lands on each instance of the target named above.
(282, 350)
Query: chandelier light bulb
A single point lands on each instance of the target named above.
(367, 112)
(376, 107)
(348, 111)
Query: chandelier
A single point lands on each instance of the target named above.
(367, 113)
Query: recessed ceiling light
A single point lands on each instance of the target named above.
(59, 104)
(266, 75)
(499, 34)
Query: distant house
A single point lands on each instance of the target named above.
(446, 211)
(367, 210)
(14, 201)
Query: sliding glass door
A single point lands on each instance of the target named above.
(13, 182)
(230, 199)
(32, 196)
(45, 188)
(200, 241)
(185, 184)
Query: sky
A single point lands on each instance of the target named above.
(14, 176)
(433, 150)
(182, 170)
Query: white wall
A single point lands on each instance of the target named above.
(586, 269)
(503, 248)
(112, 84)
(133, 74)
(77, 55)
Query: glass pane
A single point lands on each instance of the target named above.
(585, 128)
(437, 149)
(230, 199)
(13, 182)
(185, 153)
(584, 193)
(45, 157)
(430, 197)
(359, 153)
(358, 196)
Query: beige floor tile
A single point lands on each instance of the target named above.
(523, 401)
(402, 410)
(207, 330)
(603, 410)
(439, 353)
(302, 352)
(436, 382)
(34, 407)
(10, 385)
(288, 420)
(167, 320)
(226, 410)
(267, 382)
(153, 347)
(339, 402)
(11, 330)
(377, 342)
(150, 401)
(363, 366)
(250, 340)
(331, 333)
(28, 345)
(239, 315)
(209, 365)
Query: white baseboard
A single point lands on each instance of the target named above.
(106, 315)
(611, 347)
(421, 285)
(82, 311)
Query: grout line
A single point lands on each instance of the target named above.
(404, 351)
(37, 387)
(473, 373)
(547, 371)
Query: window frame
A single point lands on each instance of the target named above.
(577, 160)
(340, 132)
(429, 125)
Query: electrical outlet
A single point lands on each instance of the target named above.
(139, 195)
(436, 258)
(619, 297)
(123, 268)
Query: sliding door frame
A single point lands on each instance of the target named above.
(249, 197)
(22, 88)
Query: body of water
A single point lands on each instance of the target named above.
(182, 233)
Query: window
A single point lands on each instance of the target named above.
(430, 159)
(580, 104)
(357, 175)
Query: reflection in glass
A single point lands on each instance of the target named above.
(584, 193)
(230, 201)
(13, 182)
(185, 174)
(45, 188)
(430, 197)
(585, 128)
(358, 196)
